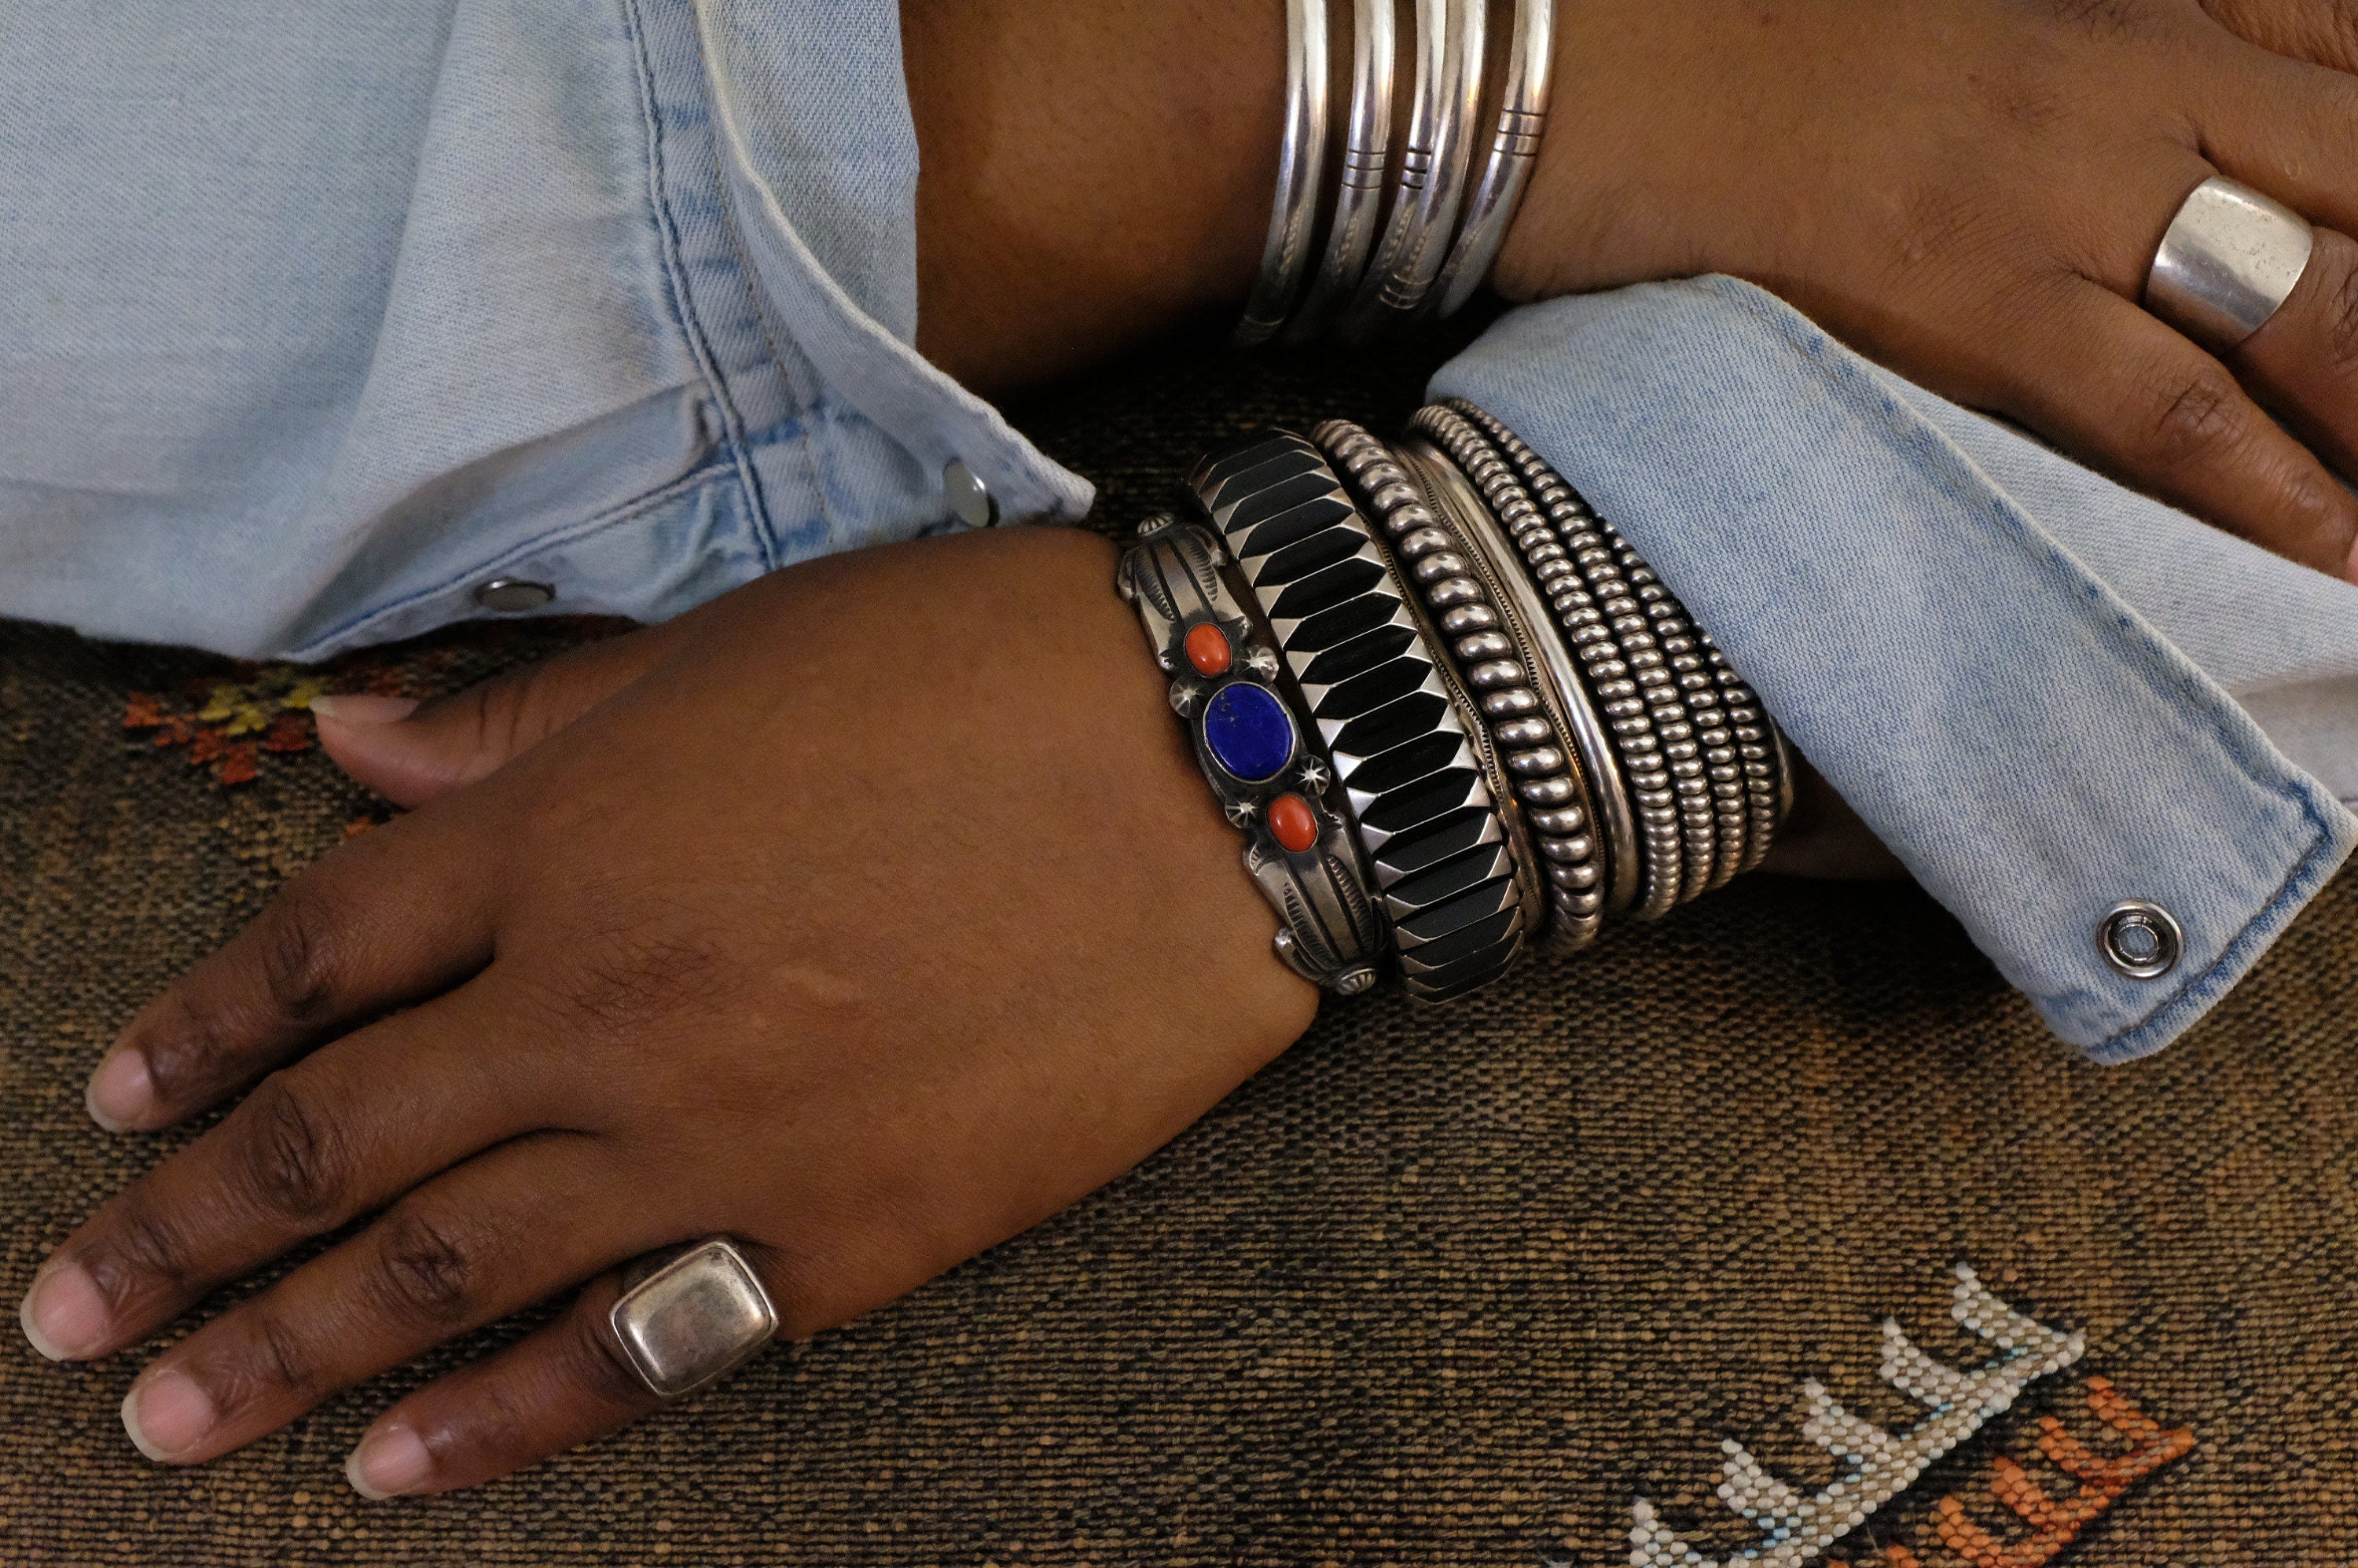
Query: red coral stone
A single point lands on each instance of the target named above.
(1290, 819)
(1207, 649)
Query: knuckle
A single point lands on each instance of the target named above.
(272, 1364)
(429, 1271)
(296, 1164)
(2197, 417)
(143, 1251)
(190, 1049)
(300, 953)
(2341, 325)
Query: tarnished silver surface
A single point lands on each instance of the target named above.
(1301, 166)
(694, 1319)
(1394, 719)
(2230, 259)
(1366, 157)
(1331, 932)
(1507, 664)
(1514, 149)
(1450, 39)
(1530, 540)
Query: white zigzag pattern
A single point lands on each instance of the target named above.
(1796, 1528)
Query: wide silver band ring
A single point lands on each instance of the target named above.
(693, 1317)
(2231, 256)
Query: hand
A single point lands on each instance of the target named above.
(868, 915)
(1971, 192)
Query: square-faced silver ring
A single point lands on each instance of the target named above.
(694, 1319)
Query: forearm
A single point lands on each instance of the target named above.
(1095, 173)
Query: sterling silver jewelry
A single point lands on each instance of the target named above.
(1503, 651)
(1367, 155)
(1514, 148)
(2230, 259)
(1419, 775)
(1250, 743)
(1762, 763)
(1301, 165)
(1450, 42)
(694, 1318)
(1546, 569)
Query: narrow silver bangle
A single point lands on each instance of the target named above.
(1514, 149)
(1301, 165)
(1525, 708)
(1449, 48)
(1366, 158)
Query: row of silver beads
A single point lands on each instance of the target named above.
(1609, 633)
(1547, 783)
(1764, 770)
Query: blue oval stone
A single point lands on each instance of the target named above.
(1249, 731)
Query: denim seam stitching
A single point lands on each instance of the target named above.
(683, 305)
(686, 484)
(815, 408)
(2160, 681)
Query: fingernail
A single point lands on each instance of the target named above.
(121, 1093)
(360, 709)
(390, 1461)
(167, 1415)
(64, 1315)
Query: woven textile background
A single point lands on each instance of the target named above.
(1437, 1288)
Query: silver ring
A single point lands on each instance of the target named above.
(1301, 161)
(2231, 258)
(693, 1318)
(1514, 148)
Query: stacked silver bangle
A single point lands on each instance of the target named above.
(1405, 237)
(1528, 733)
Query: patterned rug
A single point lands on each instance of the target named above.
(1779, 1219)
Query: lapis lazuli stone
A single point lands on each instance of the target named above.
(1249, 731)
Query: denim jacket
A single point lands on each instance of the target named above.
(317, 318)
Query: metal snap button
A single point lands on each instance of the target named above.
(512, 596)
(2141, 940)
(969, 498)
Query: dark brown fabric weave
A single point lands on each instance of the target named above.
(1446, 1287)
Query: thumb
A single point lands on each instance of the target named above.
(411, 755)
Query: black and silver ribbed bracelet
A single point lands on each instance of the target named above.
(1418, 769)
(1502, 652)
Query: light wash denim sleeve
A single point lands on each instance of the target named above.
(2023, 677)
(319, 317)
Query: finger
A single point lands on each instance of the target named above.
(2303, 362)
(2284, 127)
(557, 1388)
(488, 1239)
(391, 917)
(412, 757)
(2124, 392)
(334, 1136)
(2324, 32)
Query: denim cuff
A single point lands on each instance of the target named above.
(1907, 585)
